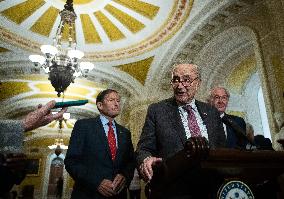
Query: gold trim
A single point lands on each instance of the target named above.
(241, 73)
(169, 28)
(90, 33)
(143, 8)
(111, 30)
(11, 88)
(131, 23)
(138, 70)
(3, 50)
(22, 11)
(75, 2)
(46, 22)
(180, 12)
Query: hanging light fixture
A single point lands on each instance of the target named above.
(59, 145)
(61, 59)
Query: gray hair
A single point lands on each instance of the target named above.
(197, 68)
(211, 93)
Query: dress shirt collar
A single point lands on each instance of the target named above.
(105, 120)
(192, 104)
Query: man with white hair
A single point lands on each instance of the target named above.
(168, 125)
(234, 126)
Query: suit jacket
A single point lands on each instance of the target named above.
(163, 135)
(11, 135)
(233, 140)
(11, 140)
(88, 159)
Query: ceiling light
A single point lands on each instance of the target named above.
(60, 61)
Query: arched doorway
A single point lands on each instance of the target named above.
(55, 183)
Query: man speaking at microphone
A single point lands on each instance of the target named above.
(234, 126)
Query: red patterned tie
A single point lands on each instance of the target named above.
(111, 141)
(192, 122)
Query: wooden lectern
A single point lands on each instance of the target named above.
(260, 170)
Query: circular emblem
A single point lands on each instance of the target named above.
(235, 190)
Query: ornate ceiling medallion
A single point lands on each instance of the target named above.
(106, 30)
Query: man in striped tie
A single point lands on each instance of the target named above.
(168, 125)
(100, 156)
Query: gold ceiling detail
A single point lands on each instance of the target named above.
(69, 125)
(44, 87)
(177, 16)
(37, 87)
(17, 40)
(47, 87)
(83, 82)
(66, 124)
(174, 16)
(279, 71)
(46, 22)
(43, 142)
(143, 8)
(65, 33)
(2, 50)
(138, 70)
(10, 89)
(54, 96)
(22, 11)
(111, 30)
(90, 33)
(131, 23)
(241, 74)
(79, 1)
(52, 124)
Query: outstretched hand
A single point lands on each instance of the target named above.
(146, 168)
(42, 116)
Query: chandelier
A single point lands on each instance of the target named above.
(61, 58)
(59, 145)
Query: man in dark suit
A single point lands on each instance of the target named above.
(170, 123)
(234, 126)
(100, 157)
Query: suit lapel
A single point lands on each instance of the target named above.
(102, 136)
(202, 112)
(231, 139)
(119, 133)
(176, 120)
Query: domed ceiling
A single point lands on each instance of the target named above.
(105, 29)
(132, 44)
(121, 37)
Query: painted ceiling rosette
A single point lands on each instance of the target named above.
(104, 29)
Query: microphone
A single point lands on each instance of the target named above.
(70, 103)
(237, 129)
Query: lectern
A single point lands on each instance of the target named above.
(260, 170)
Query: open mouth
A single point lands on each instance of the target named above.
(180, 93)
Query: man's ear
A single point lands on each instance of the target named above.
(99, 105)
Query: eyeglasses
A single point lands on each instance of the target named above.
(185, 82)
(223, 98)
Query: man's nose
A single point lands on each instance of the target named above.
(180, 85)
(219, 100)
